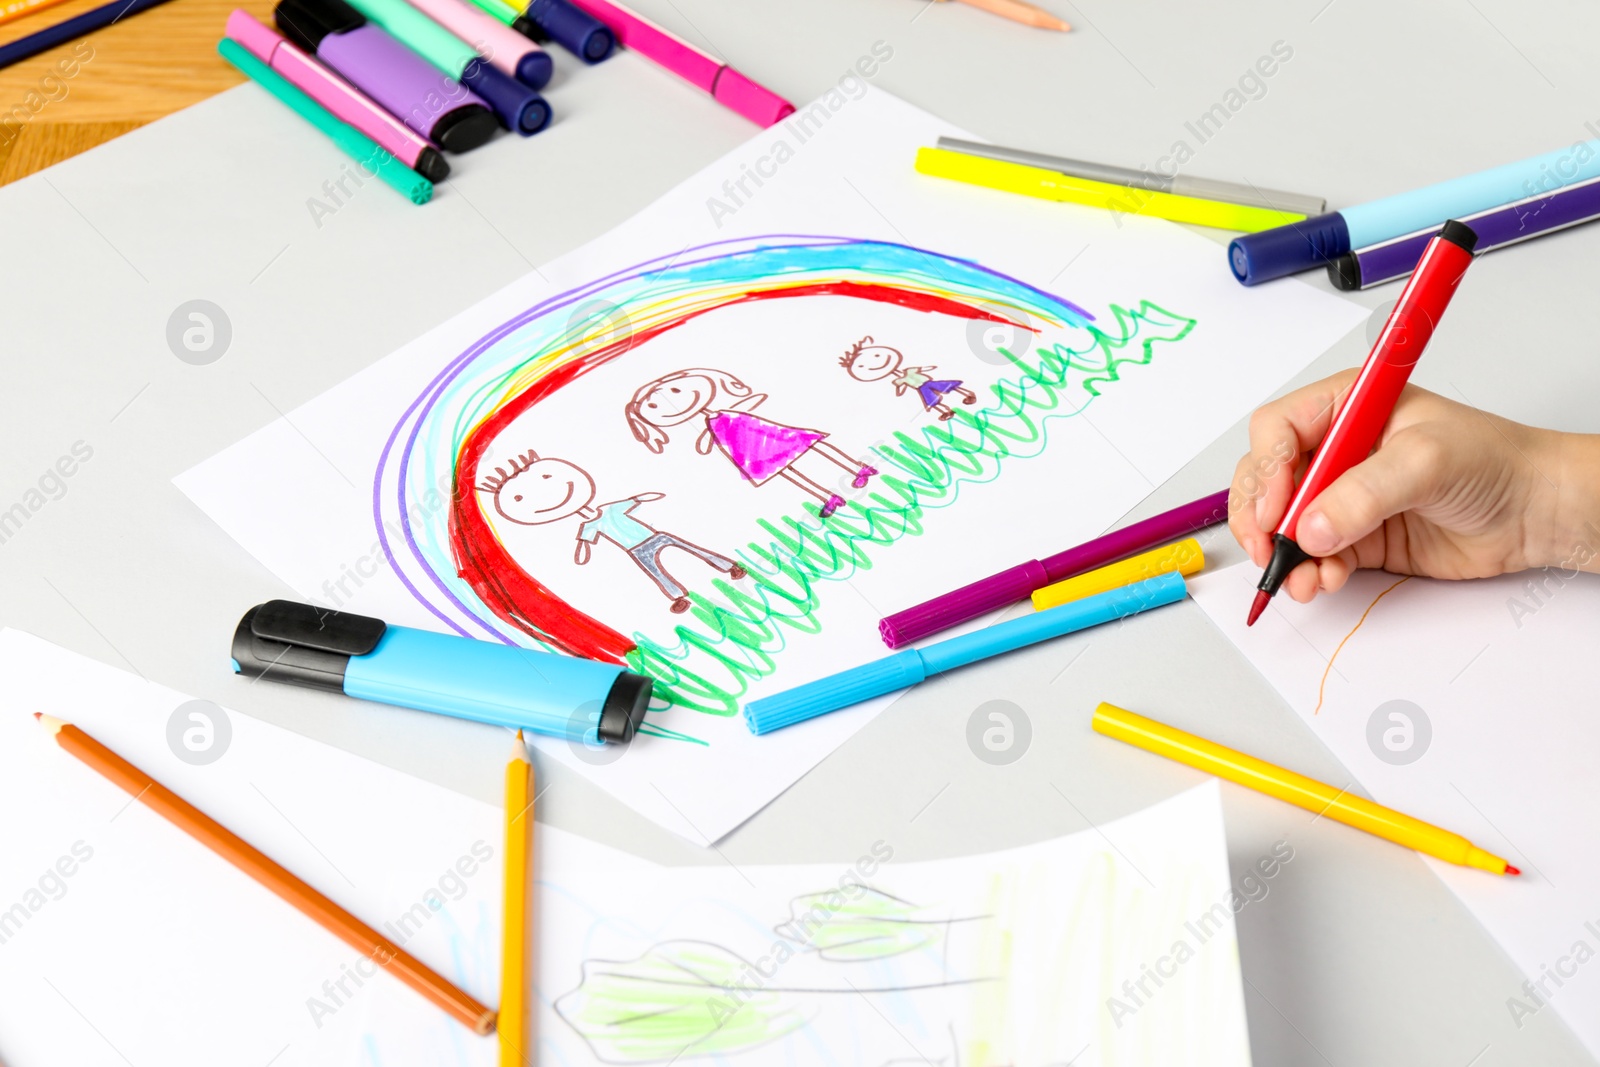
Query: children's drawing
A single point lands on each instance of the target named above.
(1073, 391)
(535, 491)
(875, 925)
(868, 362)
(760, 450)
(686, 999)
(471, 581)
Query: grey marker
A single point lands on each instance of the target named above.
(1178, 185)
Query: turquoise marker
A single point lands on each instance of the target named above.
(907, 668)
(579, 700)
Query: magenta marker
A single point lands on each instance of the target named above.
(502, 46)
(416, 92)
(343, 100)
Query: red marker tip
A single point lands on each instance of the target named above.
(1257, 606)
(1512, 870)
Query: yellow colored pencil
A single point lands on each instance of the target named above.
(1186, 557)
(1337, 804)
(15, 9)
(1126, 200)
(1020, 11)
(515, 1034)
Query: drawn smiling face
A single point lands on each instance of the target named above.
(871, 362)
(677, 399)
(548, 490)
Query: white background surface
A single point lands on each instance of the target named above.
(1357, 956)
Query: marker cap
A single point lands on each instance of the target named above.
(518, 107)
(572, 28)
(1289, 249)
(306, 24)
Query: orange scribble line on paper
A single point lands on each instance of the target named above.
(1322, 685)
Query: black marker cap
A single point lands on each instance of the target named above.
(431, 165)
(1345, 272)
(1459, 233)
(307, 22)
(302, 644)
(464, 128)
(624, 708)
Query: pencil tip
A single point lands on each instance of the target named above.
(1257, 606)
(49, 722)
(38, 715)
(1512, 870)
(519, 748)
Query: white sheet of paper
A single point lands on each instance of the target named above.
(768, 267)
(1470, 705)
(147, 948)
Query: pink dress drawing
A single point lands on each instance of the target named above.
(758, 448)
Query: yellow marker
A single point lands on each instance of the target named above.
(1337, 804)
(1185, 557)
(516, 1046)
(1053, 185)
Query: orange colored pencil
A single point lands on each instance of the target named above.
(233, 848)
(15, 9)
(1023, 12)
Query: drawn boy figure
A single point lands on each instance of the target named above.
(537, 491)
(868, 362)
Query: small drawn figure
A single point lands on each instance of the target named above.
(537, 491)
(759, 449)
(868, 362)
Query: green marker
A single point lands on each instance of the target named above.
(517, 107)
(500, 10)
(364, 150)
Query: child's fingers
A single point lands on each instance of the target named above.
(1403, 474)
(1280, 433)
(1303, 582)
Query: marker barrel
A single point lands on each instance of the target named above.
(343, 100)
(908, 667)
(1509, 225)
(1338, 804)
(1261, 257)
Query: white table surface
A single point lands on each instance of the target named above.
(1357, 956)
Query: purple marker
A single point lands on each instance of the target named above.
(1019, 582)
(417, 93)
(1496, 228)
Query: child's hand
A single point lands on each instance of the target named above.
(1450, 492)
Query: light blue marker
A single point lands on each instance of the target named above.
(908, 667)
(580, 700)
(1314, 242)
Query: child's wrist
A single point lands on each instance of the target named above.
(1569, 472)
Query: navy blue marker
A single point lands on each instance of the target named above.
(568, 26)
(557, 696)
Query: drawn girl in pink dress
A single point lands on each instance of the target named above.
(758, 448)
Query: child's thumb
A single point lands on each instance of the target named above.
(1388, 482)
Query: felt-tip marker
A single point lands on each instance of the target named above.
(559, 696)
(1361, 418)
(409, 87)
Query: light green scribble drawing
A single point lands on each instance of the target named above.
(872, 926)
(678, 1000)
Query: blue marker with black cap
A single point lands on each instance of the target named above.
(558, 696)
(910, 666)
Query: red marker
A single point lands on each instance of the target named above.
(1356, 427)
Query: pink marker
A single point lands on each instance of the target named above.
(502, 46)
(342, 99)
(726, 85)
